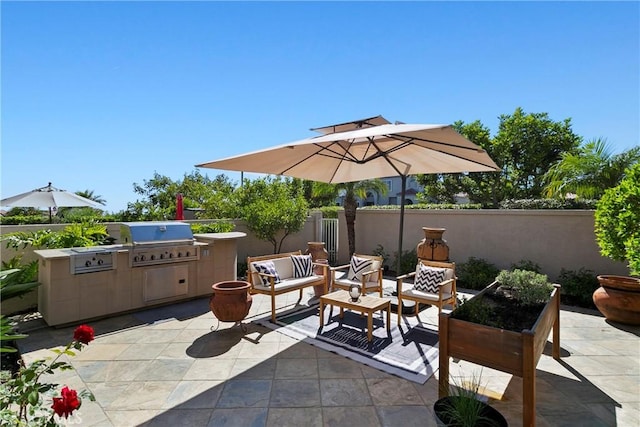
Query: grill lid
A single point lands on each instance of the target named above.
(150, 232)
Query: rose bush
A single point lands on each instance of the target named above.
(24, 398)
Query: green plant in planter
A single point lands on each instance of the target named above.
(526, 287)
(514, 304)
(616, 221)
(463, 407)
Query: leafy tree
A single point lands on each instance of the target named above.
(482, 187)
(523, 148)
(159, 195)
(526, 145)
(273, 208)
(588, 172)
(352, 191)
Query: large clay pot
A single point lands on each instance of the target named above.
(618, 298)
(433, 247)
(231, 300)
(317, 250)
(319, 255)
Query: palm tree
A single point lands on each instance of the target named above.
(590, 171)
(352, 190)
(89, 194)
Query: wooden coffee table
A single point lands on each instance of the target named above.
(366, 304)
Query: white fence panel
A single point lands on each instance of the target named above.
(330, 238)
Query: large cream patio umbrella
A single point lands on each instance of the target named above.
(366, 149)
(48, 197)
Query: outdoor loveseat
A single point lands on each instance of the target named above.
(277, 274)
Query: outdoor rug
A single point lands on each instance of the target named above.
(410, 353)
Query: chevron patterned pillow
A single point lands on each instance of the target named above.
(267, 267)
(301, 266)
(358, 267)
(428, 278)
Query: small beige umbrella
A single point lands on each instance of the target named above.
(369, 148)
(48, 197)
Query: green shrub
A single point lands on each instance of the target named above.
(476, 273)
(379, 251)
(436, 206)
(24, 219)
(330, 211)
(528, 287)
(525, 264)
(241, 270)
(548, 204)
(578, 287)
(616, 221)
(213, 227)
(74, 235)
(408, 261)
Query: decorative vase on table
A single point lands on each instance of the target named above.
(231, 300)
(433, 247)
(321, 256)
(618, 298)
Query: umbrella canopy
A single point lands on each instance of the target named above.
(366, 149)
(48, 197)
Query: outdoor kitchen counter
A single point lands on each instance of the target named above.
(220, 236)
(98, 281)
(67, 252)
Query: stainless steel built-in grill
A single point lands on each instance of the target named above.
(91, 259)
(155, 243)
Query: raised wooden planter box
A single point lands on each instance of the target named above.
(516, 353)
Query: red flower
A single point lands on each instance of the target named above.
(65, 405)
(83, 334)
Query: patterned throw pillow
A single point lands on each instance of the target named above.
(301, 266)
(267, 267)
(358, 267)
(428, 278)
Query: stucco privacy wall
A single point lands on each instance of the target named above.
(553, 239)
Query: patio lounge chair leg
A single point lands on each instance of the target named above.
(273, 308)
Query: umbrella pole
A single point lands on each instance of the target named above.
(402, 194)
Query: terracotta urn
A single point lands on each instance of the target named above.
(231, 300)
(433, 247)
(319, 255)
(618, 298)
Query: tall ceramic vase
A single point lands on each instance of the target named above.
(321, 256)
(231, 300)
(433, 247)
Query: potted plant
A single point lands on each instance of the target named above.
(481, 330)
(618, 235)
(463, 408)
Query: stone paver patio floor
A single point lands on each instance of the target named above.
(165, 367)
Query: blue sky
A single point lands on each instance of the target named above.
(98, 96)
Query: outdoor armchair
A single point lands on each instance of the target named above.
(434, 283)
(364, 270)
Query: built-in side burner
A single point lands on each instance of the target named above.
(91, 259)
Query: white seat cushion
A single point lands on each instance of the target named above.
(425, 295)
(345, 281)
(290, 283)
